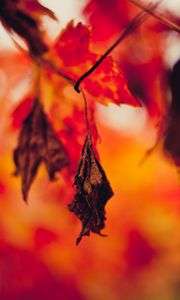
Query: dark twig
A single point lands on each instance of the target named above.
(157, 15)
(50, 64)
(136, 21)
(42, 61)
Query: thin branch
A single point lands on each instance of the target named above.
(42, 61)
(157, 15)
(149, 152)
(136, 21)
(50, 64)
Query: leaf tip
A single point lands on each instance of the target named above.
(78, 239)
(25, 194)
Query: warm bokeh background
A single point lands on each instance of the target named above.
(140, 258)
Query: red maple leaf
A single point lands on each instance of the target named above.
(73, 54)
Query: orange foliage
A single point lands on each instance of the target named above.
(140, 257)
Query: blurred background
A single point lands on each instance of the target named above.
(140, 257)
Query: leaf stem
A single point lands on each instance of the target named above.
(157, 15)
(86, 110)
(136, 21)
(37, 79)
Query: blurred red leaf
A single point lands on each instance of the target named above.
(2, 188)
(107, 17)
(139, 253)
(24, 277)
(21, 112)
(43, 237)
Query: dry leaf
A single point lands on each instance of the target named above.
(93, 191)
(37, 142)
(21, 17)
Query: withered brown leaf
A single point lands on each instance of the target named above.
(92, 192)
(16, 19)
(37, 142)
